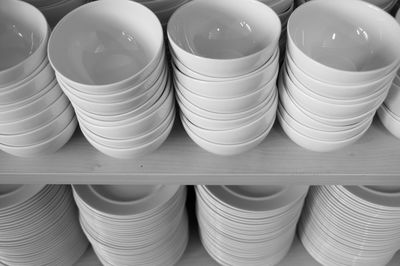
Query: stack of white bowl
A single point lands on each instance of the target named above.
(112, 67)
(225, 72)
(39, 226)
(134, 225)
(55, 10)
(351, 225)
(35, 116)
(389, 113)
(248, 225)
(284, 9)
(335, 75)
(386, 5)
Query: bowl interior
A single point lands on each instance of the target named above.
(349, 36)
(7, 189)
(223, 29)
(126, 193)
(105, 42)
(256, 191)
(22, 30)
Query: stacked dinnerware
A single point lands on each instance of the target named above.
(225, 72)
(55, 10)
(39, 226)
(386, 5)
(109, 60)
(389, 113)
(134, 225)
(35, 116)
(248, 225)
(336, 75)
(351, 225)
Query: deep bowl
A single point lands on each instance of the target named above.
(24, 33)
(353, 41)
(106, 44)
(224, 38)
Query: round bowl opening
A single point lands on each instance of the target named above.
(7, 189)
(22, 31)
(105, 42)
(256, 191)
(385, 189)
(124, 193)
(349, 36)
(222, 30)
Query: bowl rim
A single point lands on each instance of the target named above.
(271, 12)
(157, 31)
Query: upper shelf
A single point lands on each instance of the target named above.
(375, 159)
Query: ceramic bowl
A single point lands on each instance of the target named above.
(129, 51)
(392, 101)
(233, 87)
(335, 91)
(24, 32)
(228, 105)
(353, 41)
(226, 150)
(224, 38)
(390, 121)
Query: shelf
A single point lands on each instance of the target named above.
(196, 255)
(375, 159)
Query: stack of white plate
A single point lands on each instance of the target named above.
(386, 5)
(35, 116)
(55, 10)
(134, 225)
(112, 67)
(334, 77)
(389, 113)
(351, 225)
(39, 226)
(248, 225)
(225, 73)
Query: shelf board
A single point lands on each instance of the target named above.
(375, 159)
(195, 255)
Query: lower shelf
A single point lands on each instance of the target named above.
(196, 255)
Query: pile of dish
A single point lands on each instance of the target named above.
(334, 77)
(113, 69)
(351, 225)
(134, 225)
(389, 113)
(35, 116)
(225, 73)
(386, 5)
(39, 226)
(55, 10)
(248, 225)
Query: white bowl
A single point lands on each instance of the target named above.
(229, 88)
(353, 41)
(35, 120)
(237, 135)
(351, 91)
(47, 97)
(390, 121)
(330, 108)
(128, 53)
(224, 38)
(314, 144)
(226, 150)
(42, 133)
(135, 141)
(136, 127)
(221, 123)
(29, 86)
(228, 105)
(297, 113)
(24, 40)
(324, 135)
(392, 101)
(137, 151)
(114, 108)
(46, 147)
